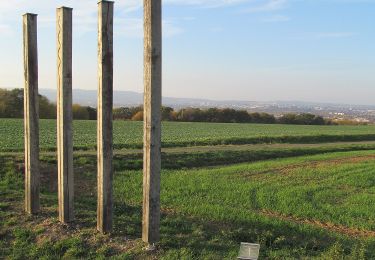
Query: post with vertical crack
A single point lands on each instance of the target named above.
(105, 125)
(64, 115)
(152, 120)
(31, 113)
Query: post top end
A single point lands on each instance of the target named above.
(65, 7)
(105, 1)
(29, 14)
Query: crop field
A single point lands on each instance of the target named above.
(129, 134)
(320, 206)
(301, 192)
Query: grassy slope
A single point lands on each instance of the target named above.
(200, 156)
(315, 206)
(129, 134)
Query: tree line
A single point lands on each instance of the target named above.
(217, 115)
(11, 106)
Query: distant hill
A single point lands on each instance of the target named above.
(131, 98)
(89, 97)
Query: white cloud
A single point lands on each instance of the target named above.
(127, 14)
(84, 16)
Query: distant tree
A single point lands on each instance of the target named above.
(122, 113)
(288, 119)
(242, 116)
(189, 115)
(92, 113)
(166, 113)
(302, 119)
(318, 120)
(47, 110)
(138, 116)
(125, 113)
(80, 112)
(227, 115)
(174, 116)
(17, 102)
(11, 106)
(11, 103)
(305, 119)
(255, 117)
(211, 114)
(267, 118)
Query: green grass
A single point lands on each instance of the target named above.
(192, 157)
(336, 190)
(129, 134)
(320, 206)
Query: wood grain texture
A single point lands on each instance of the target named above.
(105, 124)
(31, 114)
(152, 120)
(64, 115)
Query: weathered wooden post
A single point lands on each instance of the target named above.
(105, 126)
(31, 113)
(64, 115)
(152, 120)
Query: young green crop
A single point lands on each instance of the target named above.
(128, 134)
(281, 204)
(290, 206)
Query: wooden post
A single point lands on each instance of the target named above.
(152, 120)
(64, 115)
(105, 126)
(31, 113)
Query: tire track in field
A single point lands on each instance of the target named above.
(349, 231)
(309, 164)
(354, 232)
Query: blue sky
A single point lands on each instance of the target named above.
(309, 50)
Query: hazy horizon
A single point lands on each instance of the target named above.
(245, 50)
(217, 100)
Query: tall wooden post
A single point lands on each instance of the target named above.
(105, 126)
(31, 113)
(64, 115)
(152, 118)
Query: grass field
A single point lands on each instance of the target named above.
(320, 206)
(298, 200)
(128, 134)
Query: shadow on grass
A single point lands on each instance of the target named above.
(182, 235)
(192, 159)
